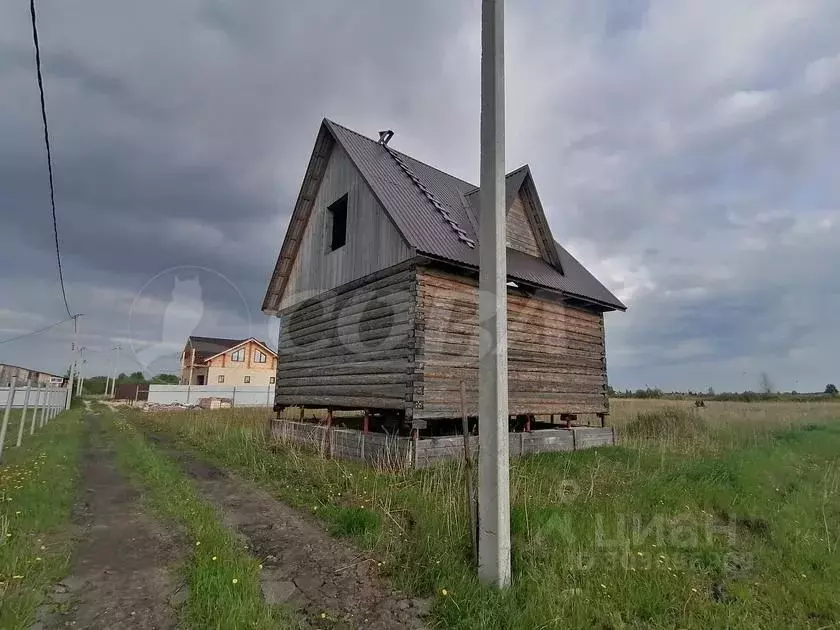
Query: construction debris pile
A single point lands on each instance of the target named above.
(202, 403)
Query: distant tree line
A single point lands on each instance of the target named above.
(95, 385)
(830, 392)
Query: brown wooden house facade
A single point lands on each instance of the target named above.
(376, 286)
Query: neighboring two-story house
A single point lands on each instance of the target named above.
(230, 362)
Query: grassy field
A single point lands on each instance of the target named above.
(223, 579)
(727, 516)
(38, 485)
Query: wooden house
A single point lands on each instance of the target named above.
(376, 288)
(231, 362)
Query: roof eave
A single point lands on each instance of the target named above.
(609, 306)
(324, 143)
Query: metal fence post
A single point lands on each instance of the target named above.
(233, 399)
(6, 414)
(23, 414)
(37, 408)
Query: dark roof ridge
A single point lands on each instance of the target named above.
(405, 155)
(507, 176)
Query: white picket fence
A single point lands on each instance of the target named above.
(39, 405)
(241, 396)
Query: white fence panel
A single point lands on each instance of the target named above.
(57, 396)
(242, 396)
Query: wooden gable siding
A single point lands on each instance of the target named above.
(224, 360)
(351, 347)
(520, 234)
(556, 357)
(373, 243)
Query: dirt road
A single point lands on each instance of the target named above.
(121, 573)
(303, 566)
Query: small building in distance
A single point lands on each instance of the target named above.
(24, 376)
(376, 286)
(231, 362)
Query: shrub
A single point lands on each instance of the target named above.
(670, 422)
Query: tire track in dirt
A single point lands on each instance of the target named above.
(119, 576)
(303, 567)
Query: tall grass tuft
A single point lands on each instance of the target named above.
(669, 424)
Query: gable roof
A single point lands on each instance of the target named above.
(437, 214)
(209, 347)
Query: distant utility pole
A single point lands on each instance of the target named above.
(114, 373)
(493, 464)
(74, 365)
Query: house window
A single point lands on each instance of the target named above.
(271, 380)
(221, 378)
(238, 356)
(259, 357)
(247, 379)
(338, 223)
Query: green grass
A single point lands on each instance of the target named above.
(38, 486)
(223, 578)
(734, 522)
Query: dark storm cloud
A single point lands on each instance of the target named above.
(685, 151)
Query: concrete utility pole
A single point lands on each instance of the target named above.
(6, 413)
(114, 375)
(23, 414)
(73, 366)
(37, 407)
(493, 464)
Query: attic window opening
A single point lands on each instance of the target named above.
(338, 223)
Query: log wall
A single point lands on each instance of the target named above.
(556, 357)
(351, 347)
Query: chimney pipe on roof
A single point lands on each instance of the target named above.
(385, 136)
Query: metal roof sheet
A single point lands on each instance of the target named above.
(429, 233)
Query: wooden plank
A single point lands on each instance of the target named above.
(361, 368)
(327, 380)
(371, 283)
(318, 323)
(361, 390)
(432, 411)
(350, 329)
(441, 387)
(520, 235)
(399, 297)
(516, 340)
(461, 291)
(346, 402)
(395, 337)
(315, 268)
(451, 303)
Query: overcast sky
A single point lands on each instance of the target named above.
(685, 151)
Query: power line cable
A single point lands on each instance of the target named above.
(35, 332)
(49, 152)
